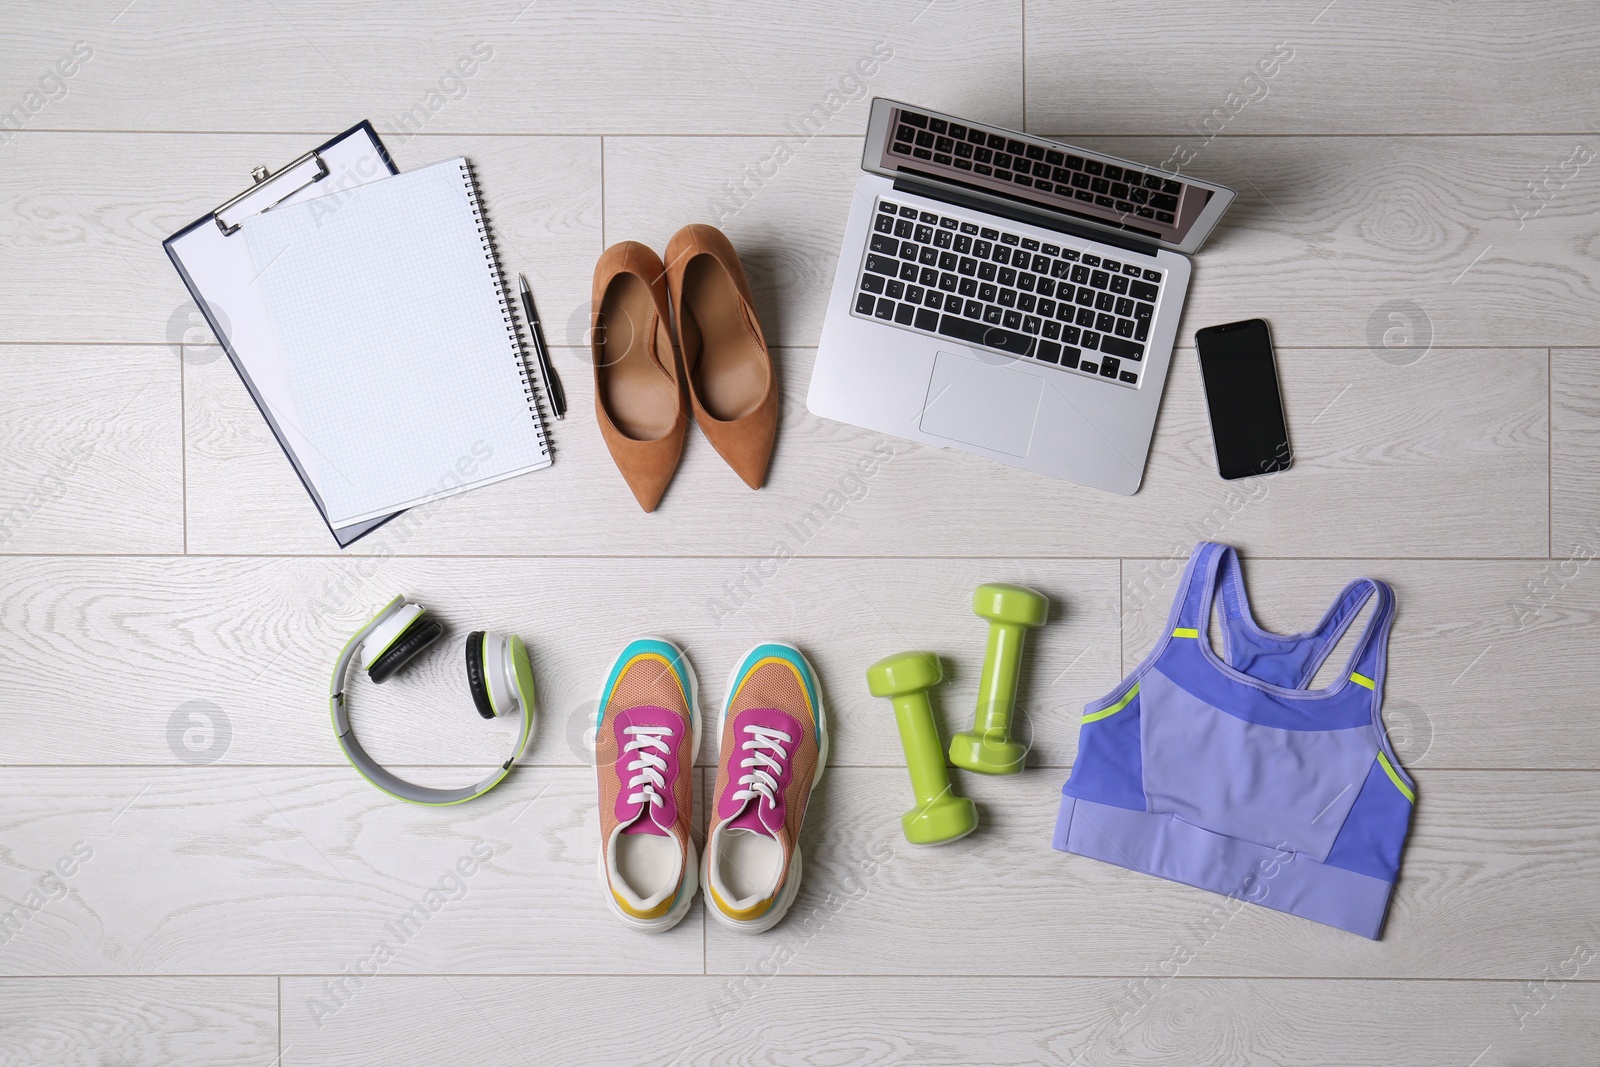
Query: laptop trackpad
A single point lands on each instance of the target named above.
(987, 405)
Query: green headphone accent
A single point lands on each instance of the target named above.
(498, 674)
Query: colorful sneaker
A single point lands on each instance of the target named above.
(774, 745)
(646, 736)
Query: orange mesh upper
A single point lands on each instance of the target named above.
(774, 684)
(647, 679)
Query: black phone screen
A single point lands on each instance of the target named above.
(1241, 383)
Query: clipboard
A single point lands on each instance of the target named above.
(212, 258)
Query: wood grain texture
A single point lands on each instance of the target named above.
(98, 1022)
(88, 212)
(249, 643)
(1490, 664)
(1351, 67)
(235, 871)
(221, 870)
(1511, 852)
(1574, 459)
(91, 449)
(1005, 1021)
(1466, 476)
(614, 66)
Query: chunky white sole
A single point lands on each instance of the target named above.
(691, 868)
(791, 885)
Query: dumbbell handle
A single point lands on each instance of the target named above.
(997, 687)
(920, 737)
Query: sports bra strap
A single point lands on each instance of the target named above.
(1289, 661)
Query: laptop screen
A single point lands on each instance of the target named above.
(1100, 191)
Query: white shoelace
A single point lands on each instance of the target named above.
(763, 779)
(651, 768)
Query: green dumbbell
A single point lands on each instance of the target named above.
(939, 815)
(988, 747)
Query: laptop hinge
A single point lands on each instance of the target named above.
(941, 190)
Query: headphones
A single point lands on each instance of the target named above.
(498, 674)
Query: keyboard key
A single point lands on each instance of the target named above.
(1069, 356)
(1003, 175)
(975, 136)
(964, 244)
(925, 140)
(885, 308)
(927, 320)
(1119, 347)
(1164, 216)
(946, 160)
(1085, 318)
(1152, 276)
(1086, 296)
(982, 249)
(982, 169)
(1092, 368)
(1123, 328)
(1090, 339)
(969, 287)
(908, 250)
(936, 125)
(1130, 377)
(947, 261)
(1130, 269)
(1008, 276)
(1094, 166)
(1104, 302)
(903, 228)
(1124, 307)
(1052, 330)
(903, 313)
(1143, 291)
(871, 283)
(886, 245)
(1141, 330)
(1009, 238)
(1112, 265)
(896, 289)
(988, 293)
(1030, 244)
(988, 234)
(928, 217)
(1012, 320)
(927, 255)
(1080, 274)
(1142, 312)
(1049, 352)
(882, 265)
(908, 272)
(958, 131)
(883, 223)
(924, 234)
(1016, 148)
(1109, 365)
(944, 144)
(972, 309)
(1001, 255)
(952, 304)
(1026, 282)
(987, 271)
(1026, 301)
(1099, 279)
(908, 212)
(1031, 323)
(1047, 308)
(1008, 298)
(933, 298)
(948, 282)
(929, 278)
(1046, 287)
(914, 119)
(1040, 264)
(1105, 323)
(993, 314)
(1152, 181)
(1070, 335)
(946, 223)
(987, 336)
(865, 302)
(1090, 259)
(915, 293)
(969, 227)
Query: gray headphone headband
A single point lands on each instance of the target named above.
(387, 780)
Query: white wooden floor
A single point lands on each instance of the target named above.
(1419, 219)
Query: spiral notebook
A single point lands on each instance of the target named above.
(394, 320)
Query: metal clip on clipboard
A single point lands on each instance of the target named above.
(270, 190)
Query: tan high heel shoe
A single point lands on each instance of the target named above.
(732, 387)
(638, 393)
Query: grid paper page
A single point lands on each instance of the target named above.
(405, 371)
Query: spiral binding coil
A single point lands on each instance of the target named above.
(503, 295)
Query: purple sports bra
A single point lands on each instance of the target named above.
(1227, 773)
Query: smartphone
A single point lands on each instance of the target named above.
(1241, 384)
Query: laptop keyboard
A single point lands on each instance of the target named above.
(984, 286)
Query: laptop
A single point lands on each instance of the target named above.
(1009, 296)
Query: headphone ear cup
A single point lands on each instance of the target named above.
(477, 680)
(406, 647)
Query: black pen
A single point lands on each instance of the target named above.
(552, 384)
